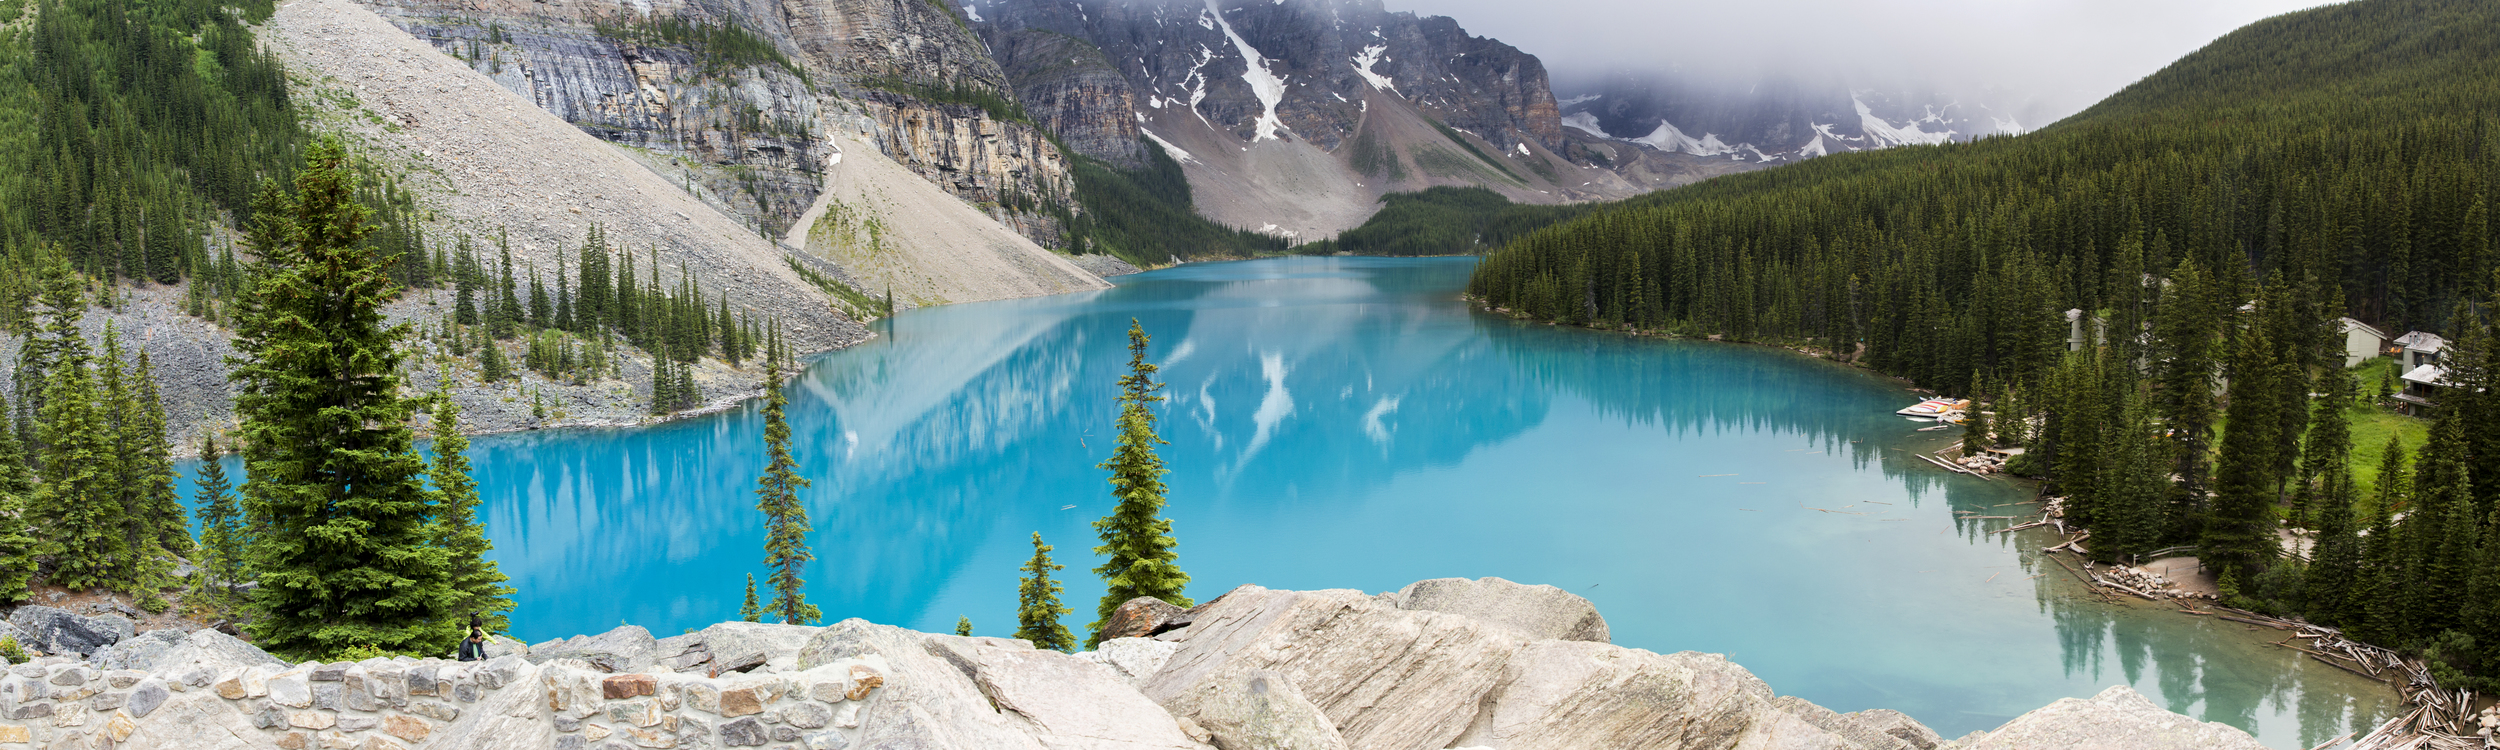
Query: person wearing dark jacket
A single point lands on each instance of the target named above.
(473, 646)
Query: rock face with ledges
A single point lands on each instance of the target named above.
(1255, 668)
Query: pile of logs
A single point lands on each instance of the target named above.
(2437, 718)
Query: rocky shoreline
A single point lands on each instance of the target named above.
(1446, 663)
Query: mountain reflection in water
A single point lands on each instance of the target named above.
(1349, 423)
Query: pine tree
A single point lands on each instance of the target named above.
(17, 543)
(1975, 438)
(1136, 537)
(477, 583)
(751, 611)
(492, 366)
(2187, 326)
(2336, 566)
(2440, 532)
(2240, 537)
(2379, 613)
(785, 518)
(221, 524)
(333, 490)
(963, 626)
(161, 508)
(1037, 603)
(2328, 443)
(77, 504)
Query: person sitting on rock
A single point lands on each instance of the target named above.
(473, 647)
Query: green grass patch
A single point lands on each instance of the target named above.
(999, 107)
(1456, 137)
(860, 303)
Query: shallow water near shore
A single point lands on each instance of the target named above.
(1350, 423)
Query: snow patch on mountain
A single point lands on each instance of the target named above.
(2008, 126)
(1175, 152)
(1264, 84)
(1883, 133)
(1581, 99)
(1668, 138)
(1587, 123)
(973, 13)
(1363, 66)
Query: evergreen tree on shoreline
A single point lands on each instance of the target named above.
(751, 611)
(785, 517)
(1135, 537)
(221, 523)
(1037, 602)
(333, 490)
(477, 583)
(2240, 537)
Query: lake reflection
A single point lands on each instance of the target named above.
(1349, 423)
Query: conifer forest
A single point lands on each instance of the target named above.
(2207, 226)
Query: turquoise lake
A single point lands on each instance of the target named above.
(1350, 423)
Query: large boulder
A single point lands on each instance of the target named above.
(2117, 719)
(59, 631)
(1573, 694)
(1391, 678)
(954, 691)
(1139, 617)
(738, 642)
(626, 649)
(174, 652)
(1387, 678)
(1136, 659)
(1536, 612)
(1262, 710)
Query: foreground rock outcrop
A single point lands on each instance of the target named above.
(1491, 664)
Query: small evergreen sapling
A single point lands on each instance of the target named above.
(963, 626)
(751, 611)
(1037, 603)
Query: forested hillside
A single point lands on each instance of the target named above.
(2214, 219)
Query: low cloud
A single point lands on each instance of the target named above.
(2052, 56)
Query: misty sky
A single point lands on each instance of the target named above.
(2061, 55)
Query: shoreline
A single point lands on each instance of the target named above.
(2427, 704)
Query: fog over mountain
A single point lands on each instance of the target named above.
(2032, 60)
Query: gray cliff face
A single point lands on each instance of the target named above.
(1183, 54)
(1255, 668)
(748, 134)
(741, 137)
(1073, 91)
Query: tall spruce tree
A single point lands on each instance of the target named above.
(1136, 538)
(2441, 531)
(78, 503)
(222, 538)
(2335, 570)
(785, 517)
(2327, 444)
(477, 583)
(2187, 327)
(2379, 614)
(17, 540)
(334, 490)
(2240, 537)
(1037, 602)
(160, 508)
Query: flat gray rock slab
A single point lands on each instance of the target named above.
(1536, 611)
(2117, 719)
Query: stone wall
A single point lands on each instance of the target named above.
(1444, 664)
